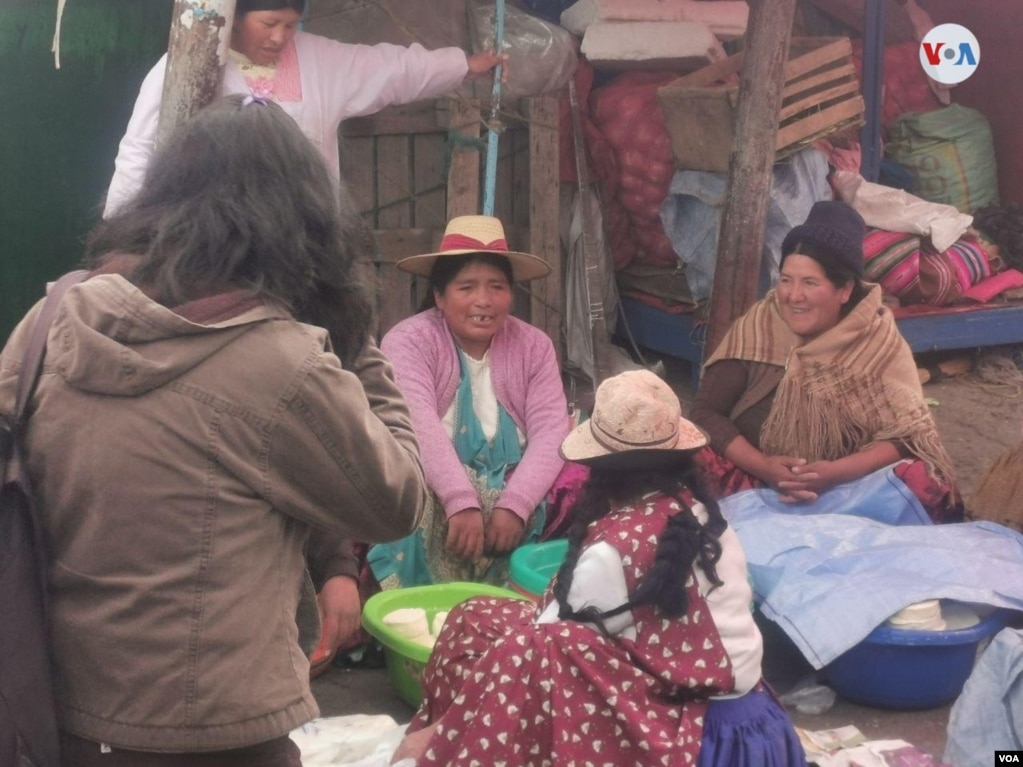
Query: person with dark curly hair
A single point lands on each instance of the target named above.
(211, 397)
(643, 650)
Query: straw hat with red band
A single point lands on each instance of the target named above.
(477, 234)
(634, 414)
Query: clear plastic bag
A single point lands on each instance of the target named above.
(541, 56)
(809, 696)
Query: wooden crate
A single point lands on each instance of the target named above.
(821, 96)
(412, 168)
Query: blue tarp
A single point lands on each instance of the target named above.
(691, 214)
(829, 572)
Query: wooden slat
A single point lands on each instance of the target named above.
(799, 65)
(544, 217)
(428, 180)
(505, 191)
(844, 91)
(820, 122)
(520, 165)
(395, 244)
(806, 88)
(394, 182)
(464, 174)
(399, 292)
(707, 75)
(394, 299)
(358, 172)
(421, 117)
(701, 118)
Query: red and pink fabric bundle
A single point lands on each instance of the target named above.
(915, 275)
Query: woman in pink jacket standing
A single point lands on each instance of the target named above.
(318, 81)
(488, 408)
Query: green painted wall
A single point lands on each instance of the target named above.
(59, 128)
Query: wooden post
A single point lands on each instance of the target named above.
(761, 82)
(196, 53)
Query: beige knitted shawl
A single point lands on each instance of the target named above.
(853, 385)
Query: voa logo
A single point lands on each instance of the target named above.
(949, 53)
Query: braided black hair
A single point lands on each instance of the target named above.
(684, 540)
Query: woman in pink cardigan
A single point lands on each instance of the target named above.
(488, 407)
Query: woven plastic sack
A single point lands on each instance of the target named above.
(633, 163)
(950, 152)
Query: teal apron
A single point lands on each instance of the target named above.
(422, 558)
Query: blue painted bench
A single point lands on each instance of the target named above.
(680, 336)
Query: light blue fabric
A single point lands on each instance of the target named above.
(691, 215)
(487, 459)
(829, 572)
(988, 715)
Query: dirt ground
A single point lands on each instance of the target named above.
(977, 419)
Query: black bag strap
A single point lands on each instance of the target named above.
(32, 361)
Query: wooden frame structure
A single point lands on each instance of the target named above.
(410, 169)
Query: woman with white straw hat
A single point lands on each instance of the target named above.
(643, 649)
(488, 407)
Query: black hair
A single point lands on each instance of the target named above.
(244, 6)
(837, 273)
(240, 198)
(446, 268)
(683, 543)
(1003, 225)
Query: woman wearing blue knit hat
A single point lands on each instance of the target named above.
(814, 386)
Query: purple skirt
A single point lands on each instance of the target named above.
(749, 731)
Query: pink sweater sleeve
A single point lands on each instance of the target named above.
(363, 79)
(426, 370)
(527, 381)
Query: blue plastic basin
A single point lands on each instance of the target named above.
(910, 669)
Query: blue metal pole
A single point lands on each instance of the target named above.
(490, 179)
